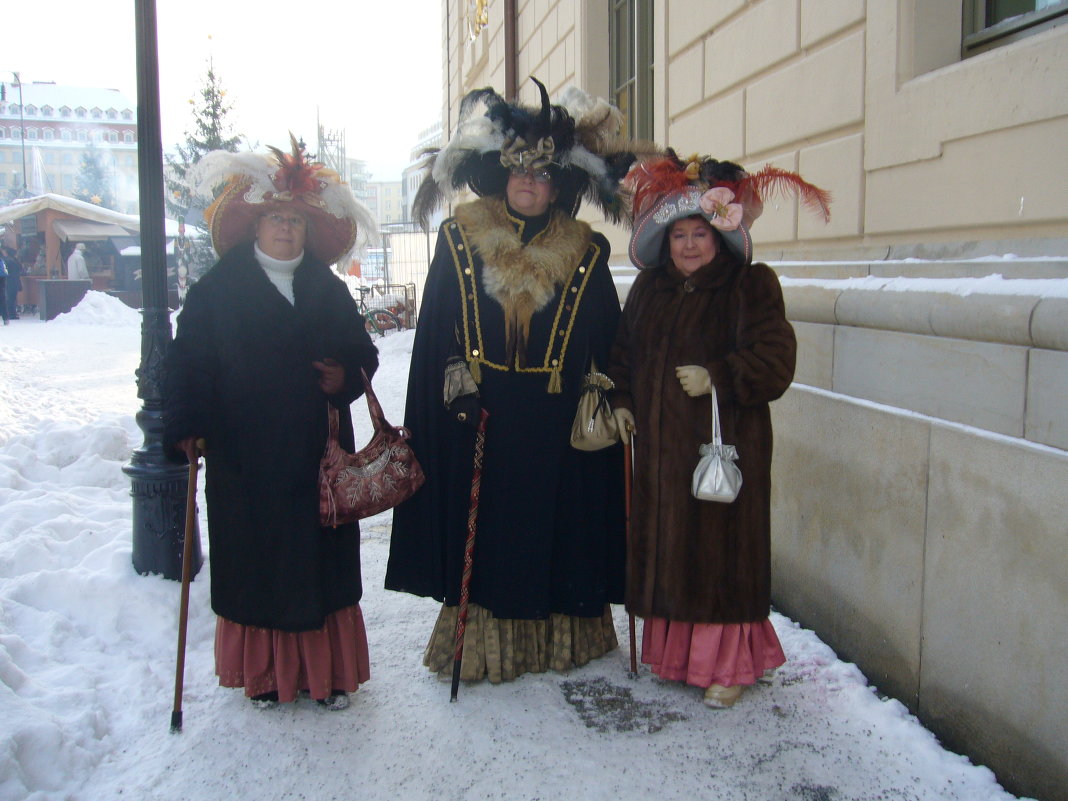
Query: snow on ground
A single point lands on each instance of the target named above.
(87, 651)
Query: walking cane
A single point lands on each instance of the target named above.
(187, 577)
(628, 479)
(469, 553)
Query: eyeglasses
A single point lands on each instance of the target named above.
(541, 176)
(294, 220)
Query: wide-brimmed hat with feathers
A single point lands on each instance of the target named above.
(577, 141)
(255, 184)
(667, 189)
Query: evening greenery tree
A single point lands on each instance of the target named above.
(91, 184)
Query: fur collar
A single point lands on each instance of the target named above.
(521, 278)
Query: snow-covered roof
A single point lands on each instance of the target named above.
(58, 95)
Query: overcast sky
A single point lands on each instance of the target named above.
(370, 67)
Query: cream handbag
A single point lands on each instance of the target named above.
(716, 477)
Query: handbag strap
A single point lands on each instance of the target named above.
(717, 434)
(378, 418)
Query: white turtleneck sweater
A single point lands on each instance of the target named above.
(280, 272)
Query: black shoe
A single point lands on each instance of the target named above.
(337, 701)
(265, 700)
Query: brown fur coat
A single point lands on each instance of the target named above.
(690, 560)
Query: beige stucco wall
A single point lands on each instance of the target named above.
(870, 100)
(919, 509)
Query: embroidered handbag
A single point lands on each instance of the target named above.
(717, 477)
(379, 476)
(595, 426)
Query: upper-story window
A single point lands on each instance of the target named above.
(31, 133)
(96, 114)
(80, 112)
(3, 133)
(14, 108)
(49, 134)
(65, 135)
(112, 114)
(83, 136)
(47, 111)
(128, 137)
(16, 132)
(127, 114)
(992, 23)
(113, 137)
(630, 64)
(31, 110)
(64, 111)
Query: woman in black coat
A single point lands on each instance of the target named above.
(267, 338)
(519, 295)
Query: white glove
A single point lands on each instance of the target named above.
(695, 380)
(625, 423)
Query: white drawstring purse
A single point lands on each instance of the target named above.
(716, 477)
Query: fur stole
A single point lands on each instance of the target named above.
(522, 279)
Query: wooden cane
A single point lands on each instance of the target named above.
(187, 577)
(469, 555)
(628, 479)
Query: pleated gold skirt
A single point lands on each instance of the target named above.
(501, 649)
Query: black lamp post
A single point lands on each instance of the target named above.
(158, 486)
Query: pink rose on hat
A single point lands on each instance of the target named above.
(716, 203)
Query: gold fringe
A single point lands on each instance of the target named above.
(556, 383)
(476, 370)
(501, 650)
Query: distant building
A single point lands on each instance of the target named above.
(385, 200)
(59, 122)
(413, 173)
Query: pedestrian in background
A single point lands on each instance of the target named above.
(14, 281)
(76, 269)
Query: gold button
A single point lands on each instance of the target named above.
(582, 269)
(574, 289)
(459, 247)
(561, 332)
(474, 352)
(467, 271)
(556, 362)
(461, 416)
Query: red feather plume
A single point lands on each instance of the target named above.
(773, 181)
(295, 173)
(652, 179)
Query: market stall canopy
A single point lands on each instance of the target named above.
(86, 231)
(24, 207)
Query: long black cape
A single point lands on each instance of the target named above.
(550, 536)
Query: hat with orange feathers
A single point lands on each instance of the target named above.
(255, 184)
(667, 189)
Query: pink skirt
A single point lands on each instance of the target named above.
(703, 654)
(321, 661)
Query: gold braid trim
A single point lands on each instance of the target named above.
(522, 279)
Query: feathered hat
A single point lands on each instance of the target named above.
(577, 141)
(255, 183)
(667, 189)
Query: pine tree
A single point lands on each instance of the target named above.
(211, 131)
(91, 184)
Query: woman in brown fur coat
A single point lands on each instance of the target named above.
(699, 316)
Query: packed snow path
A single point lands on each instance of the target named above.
(87, 653)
